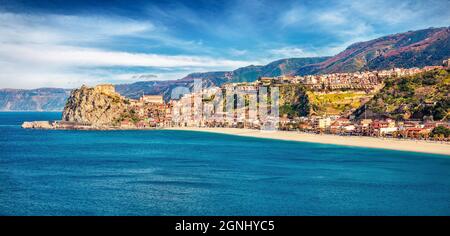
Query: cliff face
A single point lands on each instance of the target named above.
(100, 105)
(294, 100)
(297, 100)
(422, 96)
(341, 103)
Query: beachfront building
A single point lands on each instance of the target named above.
(382, 127)
(363, 127)
(341, 126)
(322, 123)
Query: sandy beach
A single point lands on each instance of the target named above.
(369, 142)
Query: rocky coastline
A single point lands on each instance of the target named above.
(95, 108)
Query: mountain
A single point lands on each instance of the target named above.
(422, 96)
(165, 87)
(287, 66)
(243, 74)
(411, 49)
(42, 99)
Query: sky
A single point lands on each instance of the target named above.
(69, 43)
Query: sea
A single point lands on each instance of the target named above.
(163, 172)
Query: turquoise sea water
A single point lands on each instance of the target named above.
(189, 173)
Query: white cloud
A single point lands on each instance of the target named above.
(50, 51)
(39, 65)
(237, 52)
(286, 52)
(58, 29)
(383, 11)
(331, 18)
(406, 13)
(298, 52)
(293, 16)
(28, 77)
(67, 50)
(86, 57)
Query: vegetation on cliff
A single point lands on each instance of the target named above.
(127, 115)
(337, 103)
(296, 100)
(422, 96)
(97, 106)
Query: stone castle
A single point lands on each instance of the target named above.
(107, 89)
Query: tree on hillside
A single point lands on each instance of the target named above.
(441, 131)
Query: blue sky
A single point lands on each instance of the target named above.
(69, 43)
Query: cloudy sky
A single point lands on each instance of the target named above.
(69, 43)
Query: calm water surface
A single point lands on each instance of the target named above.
(189, 173)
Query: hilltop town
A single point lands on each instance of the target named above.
(329, 103)
(310, 113)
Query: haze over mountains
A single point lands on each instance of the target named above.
(410, 49)
(42, 99)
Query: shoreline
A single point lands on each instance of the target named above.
(420, 146)
(355, 141)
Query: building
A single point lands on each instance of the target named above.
(156, 99)
(446, 63)
(142, 124)
(322, 123)
(127, 124)
(266, 80)
(341, 125)
(416, 132)
(106, 89)
(386, 131)
(364, 126)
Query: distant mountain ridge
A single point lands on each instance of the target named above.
(243, 74)
(42, 99)
(410, 49)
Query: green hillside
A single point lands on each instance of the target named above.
(421, 96)
(296, 100)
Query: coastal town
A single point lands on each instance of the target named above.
(232, 116)
(252, 105)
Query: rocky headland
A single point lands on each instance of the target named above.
(90, 108)
(98, 106)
